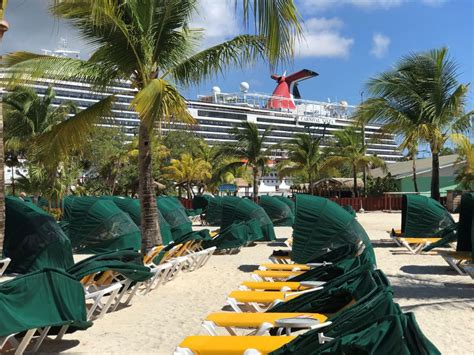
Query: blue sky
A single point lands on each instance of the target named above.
(347, 41)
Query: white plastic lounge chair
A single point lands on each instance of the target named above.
(4, 264)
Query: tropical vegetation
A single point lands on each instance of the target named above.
(150, 43)
(422, 100)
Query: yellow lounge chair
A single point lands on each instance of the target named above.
(457, 259)
(283, 286)
(416, 245)
(260, 322)
(285, 267)
(260, 301)
(231, 345)
(273, 275)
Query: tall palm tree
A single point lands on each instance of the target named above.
(349, 150)
(3, 28)
(249, 150)
(149, 43)
(305, 158)
(188, 171)
(421, 96)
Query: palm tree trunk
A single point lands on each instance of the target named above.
(255, 184)
(415, 184)
(150, 228)
(354, 172)
(435, 176)
(2, 181)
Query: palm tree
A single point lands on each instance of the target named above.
(188, 171)
(249, 150)
(349, 150)
(421, 97)
(305, 158)
(149, 43)
(3, 28)
(465, 149)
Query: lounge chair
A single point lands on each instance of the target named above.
(4, 264)
(49, 298)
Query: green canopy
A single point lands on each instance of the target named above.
(237, 209)
(201, 202)
(423, 217)
(466, 223)
(214, 211)
(279, 212)
(322, 225)
(288, 201)
(236, 235)
(43, 298)
(33, 239)
(127, 262)
(97, 226)
(175, 214)
(131, 206)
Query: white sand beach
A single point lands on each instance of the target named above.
(442, 300)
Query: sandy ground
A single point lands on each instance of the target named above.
(156, 323)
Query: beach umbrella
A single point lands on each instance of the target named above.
(33, 239)
(288, 201)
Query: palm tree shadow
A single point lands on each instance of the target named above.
(248, 268)
(427, 270)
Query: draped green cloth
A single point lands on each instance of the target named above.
(175, 214)
(131, 206)
(214, 211)
(278, 211)
(236, 209)
(321, 226)
(236, 235)
(49, 297)
(33, 239)
(96, 226)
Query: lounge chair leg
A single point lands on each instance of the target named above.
(264, 327)
(39, 341)
(231, 331)
(210, 327)
(406, 245)
(183, 351)
(62, 331)
(233, 303)
(25, 341)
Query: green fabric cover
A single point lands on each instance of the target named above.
(214, 211)
(331, 271)
(131, 206)
(423, 217)
(278, 211)
(175, 214)
(98, 226)
(237, 209)
(236, 235)
(334, 295)
(201, 202)
(349, 209)
(43, 298)
(466, 223)
(288, 201)
(447, 235)
(321, 226)
(33, 239)
(127, 262)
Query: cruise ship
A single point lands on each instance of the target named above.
(217, 112)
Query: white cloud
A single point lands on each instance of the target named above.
(380, 44)
(314, 6)
(217, 18)
(322, 38)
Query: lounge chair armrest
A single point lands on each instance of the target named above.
(290, 294)
(324, 263)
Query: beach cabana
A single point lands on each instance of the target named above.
(214, 211)
(236, 235)
(423, 217)
(236, 209)
(321, 226)
(33, 239)
(175, 214)
(288, 201)
(131, 206)
(96, 226)
(46, 298)
(279, 212)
